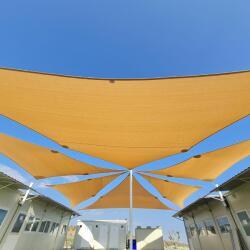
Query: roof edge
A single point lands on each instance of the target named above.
(127, 79)
(40, 195)
(208, 196)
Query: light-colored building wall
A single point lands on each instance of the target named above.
(239, 201)
(212, 210)
(208, 215)
(40, 208)
(149, 238)
(101, 235)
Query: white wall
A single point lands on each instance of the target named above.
(239, 200)
(149, 238)
(100, 235)
(39, 208)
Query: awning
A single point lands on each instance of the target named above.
(80, 191)
(42, 162)
(175, 192)
(128, 122)
(210, 165)
(119, 198)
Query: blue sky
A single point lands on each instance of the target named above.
(115, 38)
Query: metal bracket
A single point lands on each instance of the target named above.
(33, 197)
(26, 194)
(215, 198)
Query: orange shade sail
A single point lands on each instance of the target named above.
(42, 162)
(208, 166)
(127, 122)
(119, 198)
(175, 192)
(79, 191)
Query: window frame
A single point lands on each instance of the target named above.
(64, 229)
(5, 216)
(202, 229)
(20, 228)
(38, 220)
(207, 227)
(47, 227)
(43, 223)
(30, 223)
(248, 214)
(52, 228)
(57, 227)
(224, 225)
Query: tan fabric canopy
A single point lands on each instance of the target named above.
(128, 122)
(42, 162)
(119, 198)
(175, 192)
(210, 165)
(79, 191)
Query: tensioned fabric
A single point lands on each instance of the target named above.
(210, 165)
(175, 192)
(119, 198)
(127, 122)
(42, 162)
(79, 191)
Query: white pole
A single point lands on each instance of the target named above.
(26, 194)
(221, 195)
(131, 211)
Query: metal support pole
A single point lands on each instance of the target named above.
(221, 195)
(131, 211)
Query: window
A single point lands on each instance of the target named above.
(19, 222)
(2, 215)
(64, 229)
(35, 225)
(46, 230)
(41, 229)
(192, 230)
(245, 221)
(29, 223)
(52, 229)
(224, 225)
(201, 229)
(210, 227)
(57, 226)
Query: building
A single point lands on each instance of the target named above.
(149, 238)
(30, 221)
(221, 221)
(101, 234)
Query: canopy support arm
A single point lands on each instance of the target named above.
(26, 194)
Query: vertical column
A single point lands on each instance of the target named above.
(131, 210)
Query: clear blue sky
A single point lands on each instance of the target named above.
(114, 38)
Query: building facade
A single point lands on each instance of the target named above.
(221, 221)
(149, 238)
(34, 222)
(100, 235)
